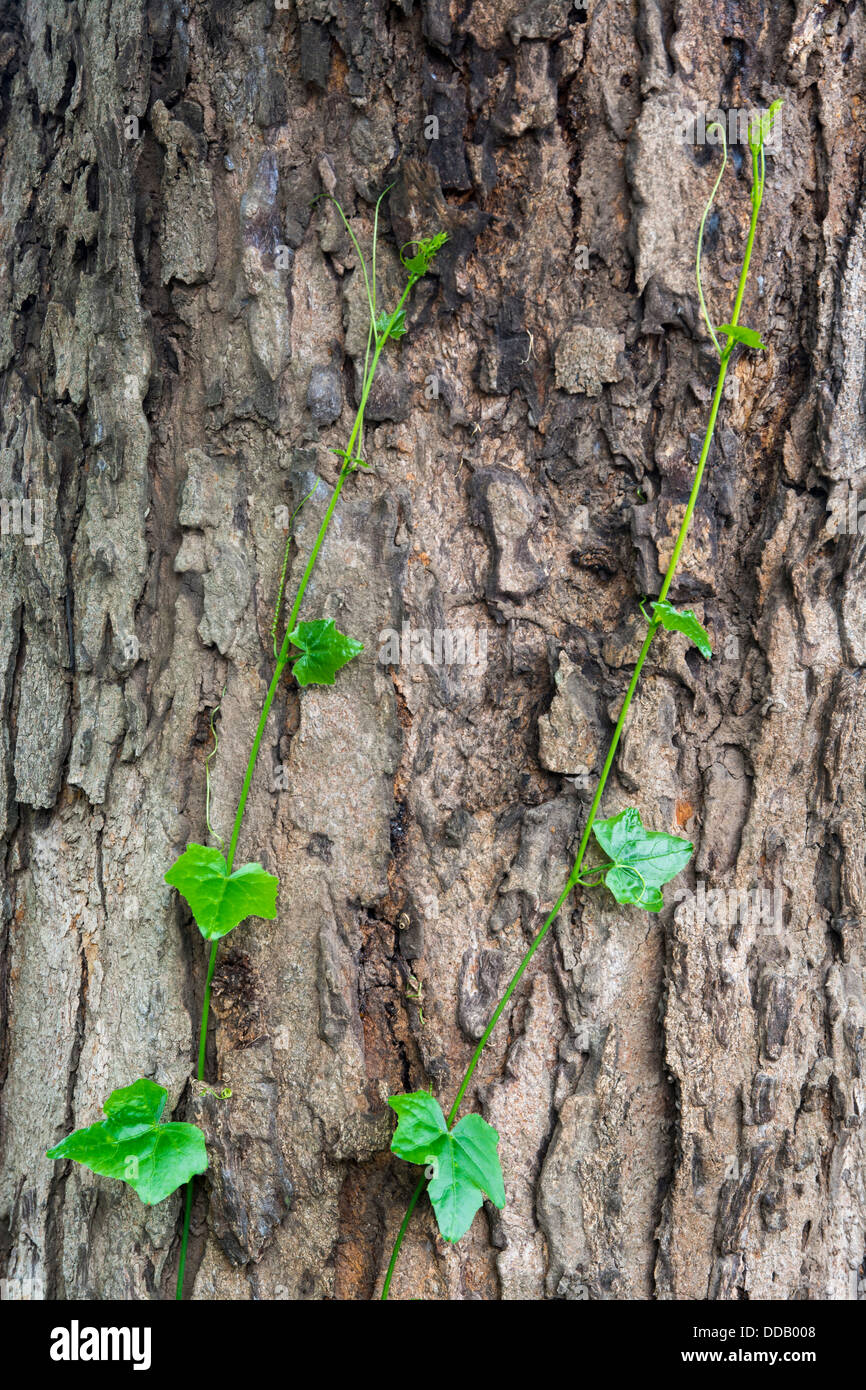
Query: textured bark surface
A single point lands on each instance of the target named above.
(679, 1097)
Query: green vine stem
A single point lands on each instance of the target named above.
(282, 659)
(380, 331)
(284, 570)
(576, 877)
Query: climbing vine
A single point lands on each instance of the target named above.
(130, 1144)
(459, 1155)
(462, 1162)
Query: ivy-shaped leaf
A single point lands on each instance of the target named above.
(325, 651)
(464, 1160)
(642, 860)
(398, 327)
(738, 334)
(219, 900)
(132, 1146)
(676, 620)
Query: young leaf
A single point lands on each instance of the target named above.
(738, 334)
(350, 463)
(760, 130)
(643, 860)
(419, 264)
(464, 1160)
(132, 1146)
(325, 651)
(398, 328)
(768, 121)
(219, 900)
(685, 621)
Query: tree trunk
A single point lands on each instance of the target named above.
(181, 336)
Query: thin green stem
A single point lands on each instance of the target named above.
(205, 1010)
(202, 1045)
(419, 1188)
(278, 670)
(614, 743)
(283, 657)
(753, 225)
(371, 299)
(512, 985)
(376, 242)
(184, 1241)
(575, 876)
(236, 829)
(284, 570)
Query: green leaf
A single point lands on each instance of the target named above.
(627, 887)
(133, 1147)
(760, 130)
(219, 900)
(325, 651)
(768, 121)
(464, 1160)
(398, 327)
(643, 860)
(738, 334)
(421, 1126)
(674, 620)
(419, 264)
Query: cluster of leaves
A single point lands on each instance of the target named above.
(132, 1146)
(761, 129)
(759, 133)
(419, 263)
(385, 324)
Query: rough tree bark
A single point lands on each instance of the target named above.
(679, 1097)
